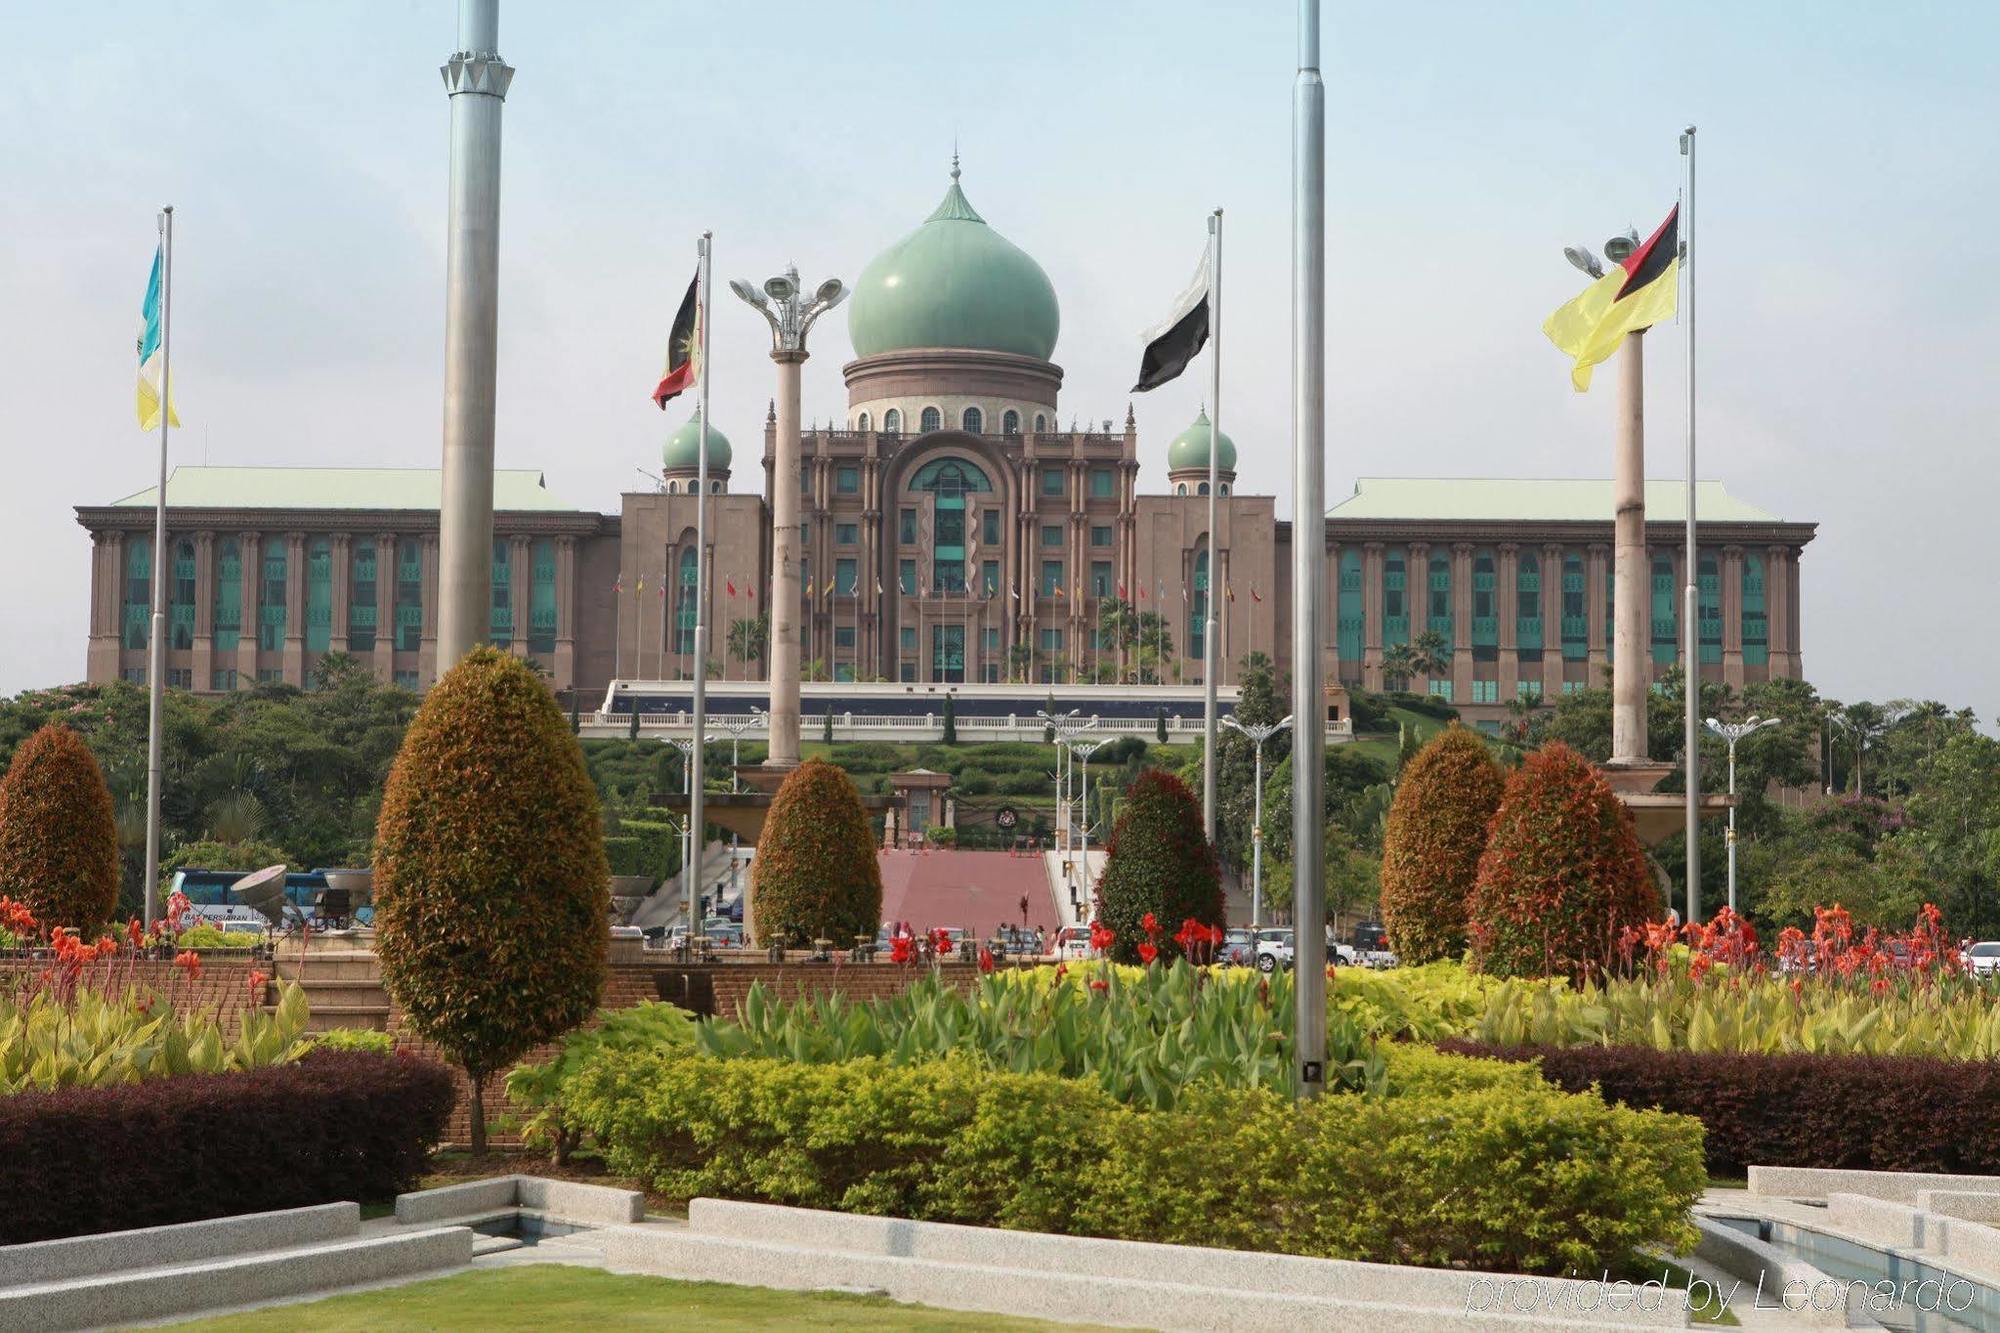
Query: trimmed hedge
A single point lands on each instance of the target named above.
(1865, 1112)
(58, 834)
(1158, 862)
(815, 875)
(335, 1125)
(1432, 841)
(1492, 1171)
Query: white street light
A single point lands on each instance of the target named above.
(1733, 732)
(686, 746)
(1258, 735)
(1084, 750)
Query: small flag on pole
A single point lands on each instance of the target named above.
(1174, 341)
(683, 348)
(618, 586)
(1253, 594)
(731, 585)
(1637, 294)
(150, 370)
(642, 586)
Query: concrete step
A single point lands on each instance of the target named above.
(329, 967)
(225, 1281)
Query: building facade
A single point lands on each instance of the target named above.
(953, 530)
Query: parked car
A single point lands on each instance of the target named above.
(1073, 943)
(1983, 958)
(1238, 947)
(1275, 949)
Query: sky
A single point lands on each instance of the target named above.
(1847, 297)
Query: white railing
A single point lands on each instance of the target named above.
(929, 726)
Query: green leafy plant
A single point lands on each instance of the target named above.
(97, 1038)
(352, 1039)
(815, 875)
(58, 832)
(1432, 843)
(1158, 864)
(491, 886)
(538, 1088)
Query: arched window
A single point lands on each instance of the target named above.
(1708, 614)
(1223, 489)
(715, 488)
(892, 422)
(685, 598)
(1010, 422)
(319, 595)
(1756, 626)
(1202, 489)
(1041, 423)
(228, 594)
(973, 421)
(863, 422)
(1180, 488)
(931, 420)
(138, 591)
(1198, 603)
(180, 597)
(1350, 614)
(1666, 627)
(950, 476)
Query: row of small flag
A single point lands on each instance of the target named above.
(925, 593)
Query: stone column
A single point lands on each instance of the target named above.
(785, 589)
(1461, 623)
(1631, 671)
(1371, 614)
(427, 647)
(1777, 611)
(388, 576)
(202, 668)
(520, 587)
(343, 569)
(1795, 655)
(251, 620)
(294, 665)
(1730, 570)
(566, 595)
(1507, 606)
(1597, 576)
(1417, 592)
(107, 595)
(1552, 613)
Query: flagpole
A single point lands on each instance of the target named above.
(1214, 448)
(1308, 555)
(696, 824)
(156, 655)
(1691, 635)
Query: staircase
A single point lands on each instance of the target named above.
(343, 986)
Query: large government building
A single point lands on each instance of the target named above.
(954, 530)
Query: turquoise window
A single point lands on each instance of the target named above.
(892, 422)
(1666, 629)
(948, 652)
(1100, 535)
(1756, 624)
(907, 636)
(1708, 604)
(950, 475)
(1052, 640)
(906, 579)
(319, 595)
(846, 534)
(930, 420)
(1350, 613)
(180, 597)
(845, 572)
(989, 576)
(228, 597)
(542, 596)
(685, 601)
(361, 598)
(1100, 578)
(1576, 609)
(138, 591)
(1395, 601)
(1010, 422)
(1051, 534)
(1052, 481)
(271, 597)
(1052, 577)
(1528, 603)
(989, 527)
(1485, 604)
(847, 481)
(972, 421)
(1486, 691)
(1198, 608)
(409, 598)
(906, 527)
(500, 627)
(1440, 602)
(1100, 483)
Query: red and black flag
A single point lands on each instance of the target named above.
(683, 348)
(1637, 294)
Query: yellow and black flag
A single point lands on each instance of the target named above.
(1637, 294)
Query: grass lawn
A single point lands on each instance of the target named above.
(554, 1296)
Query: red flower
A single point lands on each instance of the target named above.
(257, 980)
(985, 959)
(1100, 985)
(1148, 952)
(1150, 924)
(1102, 937)
(135, 932)
(900, 949)
(1062, 970)
(190, 963)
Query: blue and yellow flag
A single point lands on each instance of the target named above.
(150, 359)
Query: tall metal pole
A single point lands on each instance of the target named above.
(1308, 552)
(476, 80)
(1631, 654)
(156, 649)
(1214, 558)
(1691, 626)
(1732, 824)
(696, 824)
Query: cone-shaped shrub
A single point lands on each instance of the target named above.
(1160, 862)
(58, 833)
(1562, 874)
(815, 875)
(1432, 843)
(492, 894)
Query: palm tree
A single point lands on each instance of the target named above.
(750, 638)
(1399, 663)
(1429, 655)
(1020, 662)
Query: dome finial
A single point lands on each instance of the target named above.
(954, 157)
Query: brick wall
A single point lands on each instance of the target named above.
(223, 989)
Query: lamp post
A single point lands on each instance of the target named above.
(686, 747)
(1258, 735)
(736, 726)
(1733, 732)
(791, 317)
(1083, 751)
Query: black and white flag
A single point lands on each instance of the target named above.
(1174, 342)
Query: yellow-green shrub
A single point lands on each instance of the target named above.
(101, 1039)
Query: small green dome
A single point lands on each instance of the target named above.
(1190, 448)
(954, 282)
(682, 451)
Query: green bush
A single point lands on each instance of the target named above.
(208, 936)
(644, 847)
(58, 835)
(815, 875)
(352, 1039)
(1432, 842)
(492, 892)
(1514, 1176)
(975, 782)
(1025, 784)
(1159, 863)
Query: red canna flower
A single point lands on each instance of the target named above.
(900, 949)
(1148, 952)
(985, 959)
(135, 932)
(1100, 985)
(257, 980)
(190, 963)
(1102, 937)
(1062, 970)
(1150, 924)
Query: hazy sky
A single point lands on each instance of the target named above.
(1848, 294)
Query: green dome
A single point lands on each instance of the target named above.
(682, 451)
(1190, 448)
(954, 282)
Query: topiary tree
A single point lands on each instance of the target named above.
(1562, 875)
(58, 832)
(815, 875)
(1432, 842)
(950, 721)
(1160, 862)
(492, 894)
